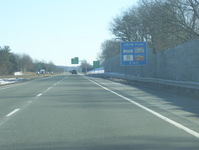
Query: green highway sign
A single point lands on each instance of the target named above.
(75, 60)
(96, 64)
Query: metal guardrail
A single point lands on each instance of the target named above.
(182, 84)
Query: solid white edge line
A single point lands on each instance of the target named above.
(180, 126)
(39, 95)
(11, 113)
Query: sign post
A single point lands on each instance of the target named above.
(133, 54)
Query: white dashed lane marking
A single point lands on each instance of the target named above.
(13, 112)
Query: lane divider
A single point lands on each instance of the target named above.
(13, 112)
(7, 117)
(39, 95)
(178, 125)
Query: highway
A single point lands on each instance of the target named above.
(76, 112)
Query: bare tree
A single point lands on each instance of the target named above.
(109, 48)
(162, 23)
(25, 63)
(187, 13)
(127, 27)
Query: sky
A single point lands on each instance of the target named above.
(58, 30)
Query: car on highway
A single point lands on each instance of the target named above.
(73, 72)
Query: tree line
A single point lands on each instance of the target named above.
(10, 63)
(161, 23)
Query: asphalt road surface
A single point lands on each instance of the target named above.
(74, 112)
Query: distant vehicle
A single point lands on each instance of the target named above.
(74, 72)
(42, 71)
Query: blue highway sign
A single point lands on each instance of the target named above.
(133, 53)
